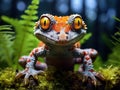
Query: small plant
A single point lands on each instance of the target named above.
(24, 40)
(111, 75)
(7, 77)
(114, 57)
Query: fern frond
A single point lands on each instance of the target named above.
(117, 19)
(14, 22)
(114, 57)
(6, 48)
(29, 17)
(116, 36)
(33, 11)
(24, 31)
(5, 27)
(116, 39)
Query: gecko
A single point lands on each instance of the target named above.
(60, 47)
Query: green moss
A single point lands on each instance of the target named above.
(7, 77)
(111, 75)
(60, 80)
(53, 79)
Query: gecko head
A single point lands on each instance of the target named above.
(61, 31)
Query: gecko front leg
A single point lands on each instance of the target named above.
(30, 69)
(87, 67)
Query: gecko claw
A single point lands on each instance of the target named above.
(95, 83)
(26, 81)
(100, 76)
(27, 73)
(35, 77)
(92, 77)
(19, 75)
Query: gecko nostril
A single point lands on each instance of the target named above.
(58, 32)
(66, 32)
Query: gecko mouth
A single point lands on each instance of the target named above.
(51, 41)
(55, 41)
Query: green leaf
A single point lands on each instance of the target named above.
(6, 49)
(32, 7)
(85, 38)
(24, 40)
(5, 27)
(35, 2)
(117, 19)
(26, 17)
(33, 12)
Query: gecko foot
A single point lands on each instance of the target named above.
(92, 77)
(27, 73)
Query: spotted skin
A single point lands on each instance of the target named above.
(60, 47)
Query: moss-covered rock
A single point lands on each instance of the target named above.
(53, 79)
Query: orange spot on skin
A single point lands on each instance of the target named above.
(36, 50)
(31, 54)
(91, 70)
(61, 23)
(87, 57)
(41, 44)
(84, 52)
(77, 45)
(28, 60)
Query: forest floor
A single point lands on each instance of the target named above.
(53, 79)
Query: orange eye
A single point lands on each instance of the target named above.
(45, 23)
(77, 23)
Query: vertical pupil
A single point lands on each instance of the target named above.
(78, 22)
(45, 23)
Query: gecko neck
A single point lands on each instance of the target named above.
(59, 51)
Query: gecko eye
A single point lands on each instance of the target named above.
(45, 23)
(77, 23)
